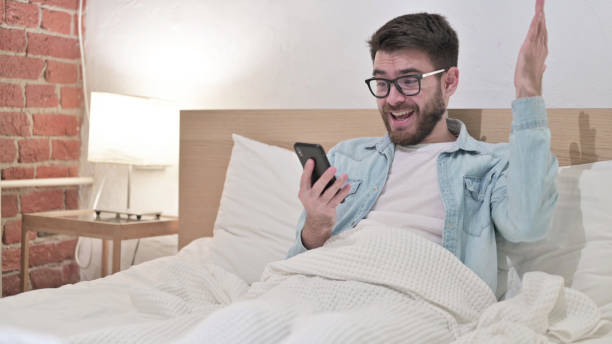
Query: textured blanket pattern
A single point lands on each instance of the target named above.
(368, 285)
(385, 285)
(543, 311)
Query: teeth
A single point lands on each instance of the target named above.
(400, 114)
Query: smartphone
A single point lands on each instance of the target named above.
(315, 152)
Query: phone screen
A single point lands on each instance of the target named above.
(315, 152)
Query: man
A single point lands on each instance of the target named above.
(427, 174)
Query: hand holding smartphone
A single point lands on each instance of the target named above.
(315, 152)
(320, 207)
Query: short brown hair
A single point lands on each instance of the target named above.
(430, 33)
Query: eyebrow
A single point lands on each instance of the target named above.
(401, 72)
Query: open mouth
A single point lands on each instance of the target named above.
(402, 116)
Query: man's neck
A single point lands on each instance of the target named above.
(440, 133)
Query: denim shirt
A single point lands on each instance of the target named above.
(505, 189)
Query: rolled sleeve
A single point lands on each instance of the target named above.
(529, 113)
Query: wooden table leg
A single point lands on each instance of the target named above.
(25, 259)
(116, 255)
(105, 248)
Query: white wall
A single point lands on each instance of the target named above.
(313, 54)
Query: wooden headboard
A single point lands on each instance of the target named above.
(579, 136)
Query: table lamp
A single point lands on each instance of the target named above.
(133, 131)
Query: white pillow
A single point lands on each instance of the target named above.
(259, 208)
(579, 244)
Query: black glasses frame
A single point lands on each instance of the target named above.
(395, 82)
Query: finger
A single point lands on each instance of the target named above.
(539, 6)
(334, 188)
(340, 196)
(320, 184)
(544, 30)
(306, 180)
(540, 39)
(533, 28)
(542, 21)
(539, 12)
(541, 31)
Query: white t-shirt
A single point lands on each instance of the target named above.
(411, 196)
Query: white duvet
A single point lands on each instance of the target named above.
(154, 302)
(367, 285)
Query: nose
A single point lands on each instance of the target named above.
(395, 97)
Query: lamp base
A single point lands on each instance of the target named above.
(127, 214)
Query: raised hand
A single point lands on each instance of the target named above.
(530, 65)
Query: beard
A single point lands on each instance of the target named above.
(426, 121)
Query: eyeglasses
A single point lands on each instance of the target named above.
(408, 85)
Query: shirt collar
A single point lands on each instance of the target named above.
(456, 127)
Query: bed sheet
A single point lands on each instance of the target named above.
(604, 336)
(175, 292)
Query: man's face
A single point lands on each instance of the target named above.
(409, 119)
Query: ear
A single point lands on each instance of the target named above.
(450, 80)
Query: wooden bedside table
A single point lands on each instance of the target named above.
(85, 223)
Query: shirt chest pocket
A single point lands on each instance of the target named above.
(476, 215)
(351, 201)
(473, 187)
(354, 183)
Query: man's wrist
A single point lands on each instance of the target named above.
(309, 242)
(312, 240)
(527, 93)
(304, 242)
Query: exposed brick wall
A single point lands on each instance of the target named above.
(41, 109)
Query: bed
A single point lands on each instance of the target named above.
(237, 212)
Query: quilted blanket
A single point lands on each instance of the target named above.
(387, 285)
(368, 285)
